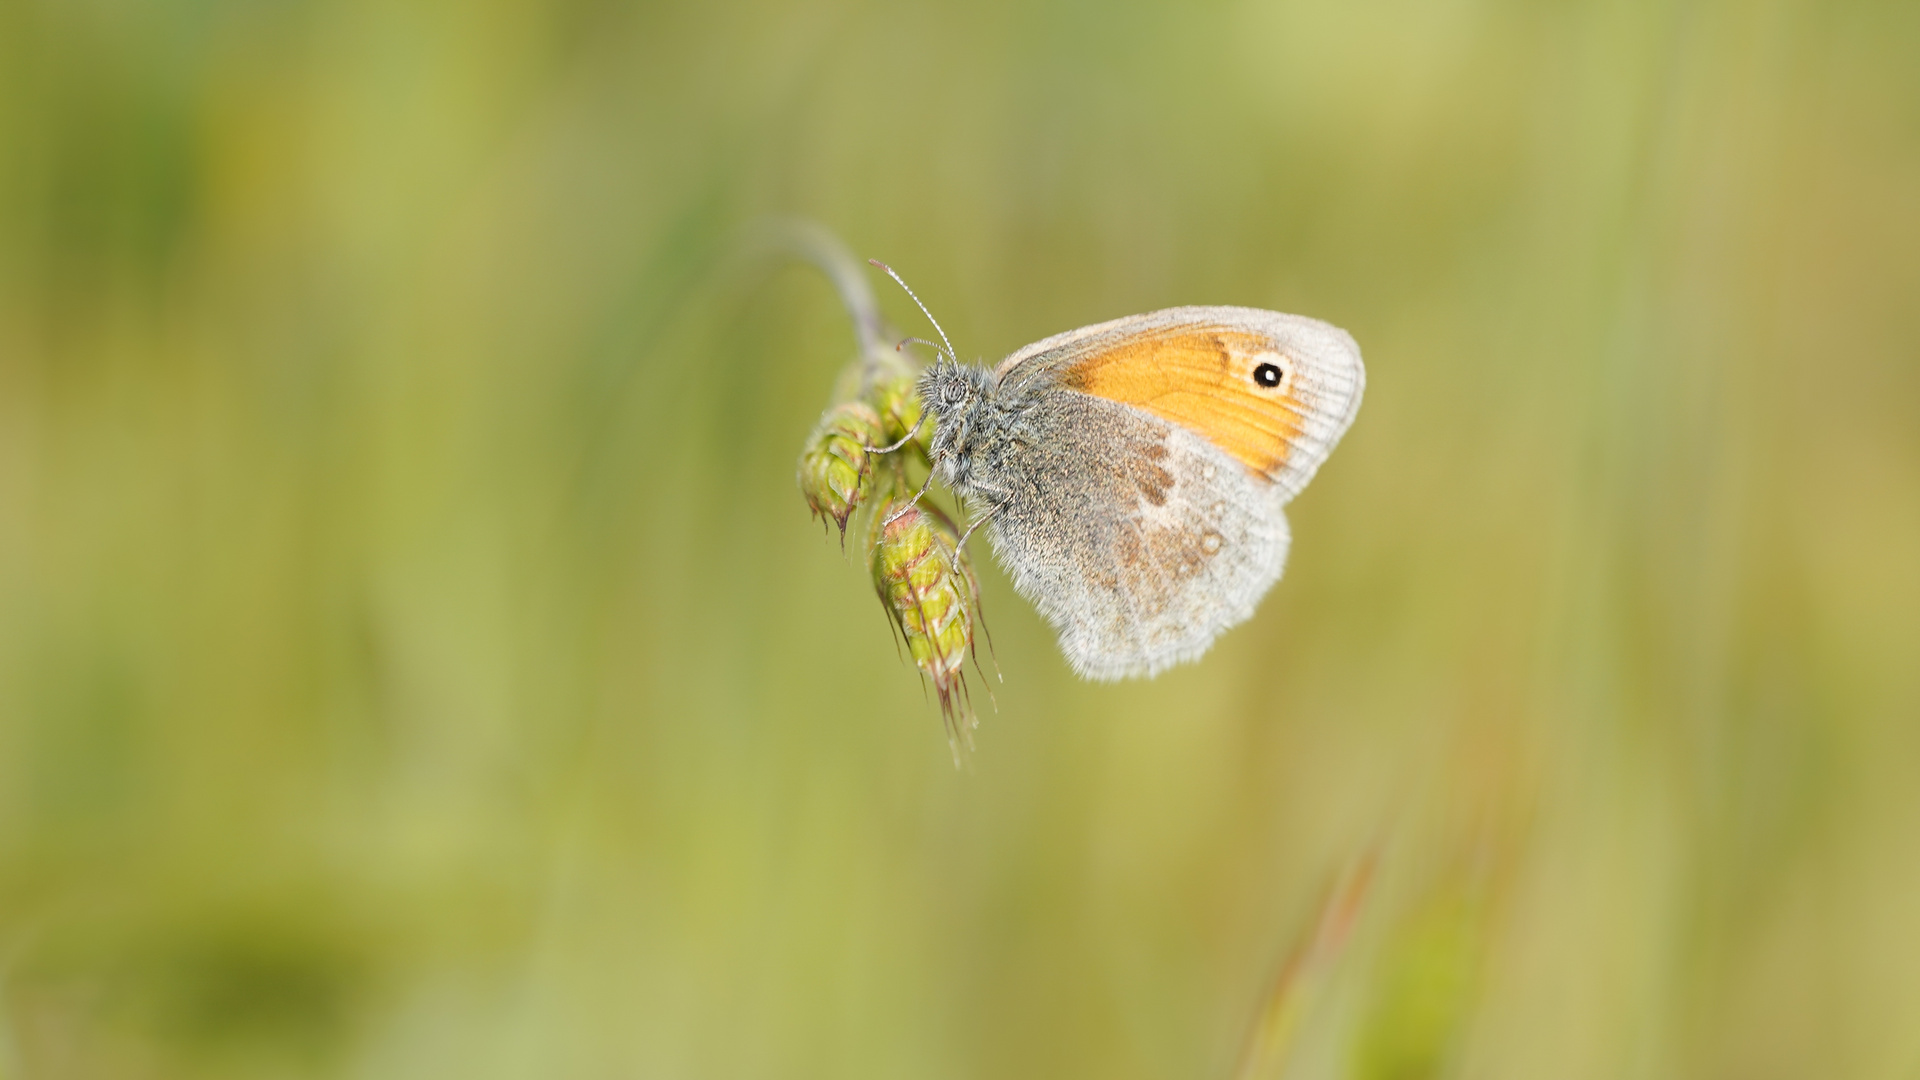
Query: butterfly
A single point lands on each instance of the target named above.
(1132, 476)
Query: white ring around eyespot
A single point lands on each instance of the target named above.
(1278, 361)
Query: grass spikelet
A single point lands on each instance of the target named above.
(928, 587)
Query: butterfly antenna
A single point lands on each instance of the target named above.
(934, 345)
(951, 355)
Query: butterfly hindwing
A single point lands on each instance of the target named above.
(1136, 538)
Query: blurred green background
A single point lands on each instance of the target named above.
(415, 659)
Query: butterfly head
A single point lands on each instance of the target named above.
(948, 387)
(957, 398)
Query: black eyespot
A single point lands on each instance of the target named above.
(1267, 375)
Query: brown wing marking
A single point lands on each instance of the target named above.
(1202, 378)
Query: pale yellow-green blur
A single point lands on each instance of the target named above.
(417, 660)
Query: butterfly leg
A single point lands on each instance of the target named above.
(911, 503)
(904, 439)
(984, 518)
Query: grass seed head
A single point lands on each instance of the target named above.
(896, 398)
(930, 592)
(836, 471)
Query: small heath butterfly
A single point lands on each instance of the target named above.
(1133, 475)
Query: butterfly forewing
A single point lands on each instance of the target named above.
(1274, 391)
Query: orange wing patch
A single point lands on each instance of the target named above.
(1234, 387)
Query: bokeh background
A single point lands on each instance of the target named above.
(415, 659)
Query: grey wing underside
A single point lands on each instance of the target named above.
(1137, 539)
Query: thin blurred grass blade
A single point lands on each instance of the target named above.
(1303, 976)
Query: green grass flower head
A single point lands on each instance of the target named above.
(836, 468)
(928, 586)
